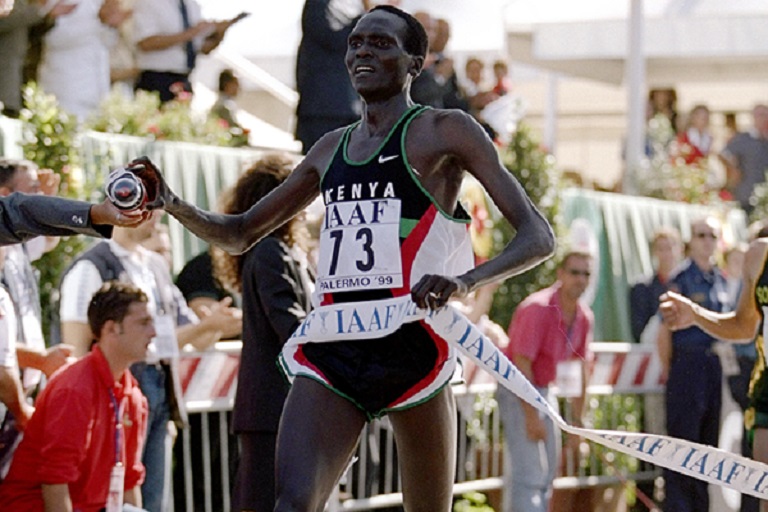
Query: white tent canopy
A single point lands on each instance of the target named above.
(684, 41)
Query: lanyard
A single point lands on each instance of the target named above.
(118, 425)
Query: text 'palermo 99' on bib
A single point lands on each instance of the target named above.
(360, 246)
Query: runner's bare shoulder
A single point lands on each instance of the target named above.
(450, 131)
(321, 152)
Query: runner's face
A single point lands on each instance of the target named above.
(376, 61)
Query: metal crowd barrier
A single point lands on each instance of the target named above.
(622, 377)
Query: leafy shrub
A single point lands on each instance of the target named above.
(535, 169)
(144, 116)
(50, 136)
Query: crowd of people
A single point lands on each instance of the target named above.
(729, 162)
(332, 102)
(79, 50)
(91, 420)
(309, 460)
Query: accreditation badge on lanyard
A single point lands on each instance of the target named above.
(568, 378)
(360, 246)
(116, 488)
(116, 494)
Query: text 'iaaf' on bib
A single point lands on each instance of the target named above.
(360, 246)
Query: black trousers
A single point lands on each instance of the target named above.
(162, 82)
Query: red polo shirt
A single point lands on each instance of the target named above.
(538, 332)
(71, 438)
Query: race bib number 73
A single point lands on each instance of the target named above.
(360, 246)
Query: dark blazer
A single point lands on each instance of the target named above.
(275, 301)
(326, 94)
(25, 216)
(644, 303)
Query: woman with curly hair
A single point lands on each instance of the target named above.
(274, 280)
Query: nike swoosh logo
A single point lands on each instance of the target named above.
(383, 159)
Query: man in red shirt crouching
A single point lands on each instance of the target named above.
(82, 448)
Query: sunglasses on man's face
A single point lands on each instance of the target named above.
(577, 273)
(705, 235)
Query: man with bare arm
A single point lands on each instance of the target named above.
(393, 228)
(739, 326)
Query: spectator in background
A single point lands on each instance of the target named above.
(475, 88)
(21, 281)
(694, 377)
(445, 71)
(123, 71)
(17, 411)
(68, 456)
(201, 288)
(731, 125)
(477, 92)
(746, 158)
(326, 97)
(733, 264)
(225, 107)
(663, 101)
(126, 259)
(549, 338)
(438, 84)
(275, 284)
(667, 253)
(203, 293)
(502, 83)
(441, 37)
(694, 142)
(169, 35)
(425, 88)
(14, 30)
(75, 60)
(160, 242)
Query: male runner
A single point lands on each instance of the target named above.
(393, 227)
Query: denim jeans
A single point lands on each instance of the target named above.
(154, 491)
(530, 466)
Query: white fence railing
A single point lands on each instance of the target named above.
(623, 376)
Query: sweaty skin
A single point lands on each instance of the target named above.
(441, 146)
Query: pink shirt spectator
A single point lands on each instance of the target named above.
(537, 331)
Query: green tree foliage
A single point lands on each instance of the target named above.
(535, 169)
(472, 502)
(759, 201)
